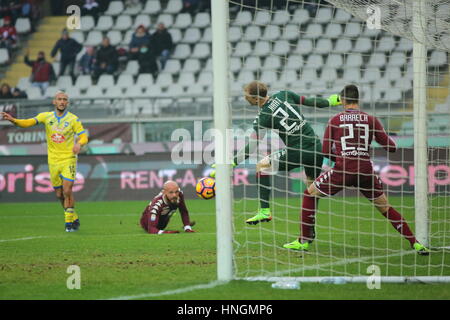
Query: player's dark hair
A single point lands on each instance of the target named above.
(350, 94)
(257, 89)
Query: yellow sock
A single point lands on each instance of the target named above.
(69, 215)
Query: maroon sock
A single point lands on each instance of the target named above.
(400, 224)
(308, 218)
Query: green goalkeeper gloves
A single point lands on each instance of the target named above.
(334, 100)
(212, 174)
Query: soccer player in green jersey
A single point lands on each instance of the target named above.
(281, 112)
(65, 137)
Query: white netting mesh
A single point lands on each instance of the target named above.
(314, 49)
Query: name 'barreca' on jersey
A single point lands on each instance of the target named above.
(282, 113)
(61, 134)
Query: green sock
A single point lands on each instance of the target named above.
(264, 189)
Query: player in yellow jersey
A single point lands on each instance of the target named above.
(65, 137)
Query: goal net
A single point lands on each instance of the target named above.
(315, 48)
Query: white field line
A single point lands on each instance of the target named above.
(97, 215)
(209, 285)
(21, 239)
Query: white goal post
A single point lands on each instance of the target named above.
(402, 69)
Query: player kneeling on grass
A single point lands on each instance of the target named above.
(351, 132)
(157, 214)
(65, 137)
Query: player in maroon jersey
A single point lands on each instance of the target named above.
(351, 133)
(157, 214)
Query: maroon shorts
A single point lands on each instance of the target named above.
(331, 182)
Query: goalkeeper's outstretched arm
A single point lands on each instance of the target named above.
(331, 101)
(23, 123)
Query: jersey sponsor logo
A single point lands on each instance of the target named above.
(58, 138)
(354, 153)
(66, 124)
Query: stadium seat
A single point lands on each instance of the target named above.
(207, 35)
(114, 92)
(208, 65)
(201, 51)
(323, 46)
(144, 19)
(235, 64)
(164, 80)
(234, 34)
(186, 79)
(144, 80)
(104, 23)
(342, 16)
(165, 18)
(385, 44)
(73, 93)
(377, 59)
(201, 20)
(252, 33)
(195, 89)
(334, 60)
(404, 45)
(437, 58)
(363, 45)
(182, 21)
(244, 77)
(371, 74)
(309, 74)
(269, 76)
(354, 60)
(313, 31)
(272, 63)
(152, 7)
(333, 31)
(300, 16)
(393, 95)
(271, 33)
(176, 35)
(132, 68)
(114, 8)
(402, 84)
(262, 18)
(83, 82)
(127, 37)
(324, 15)
(23, 25)
(281, 48)
(55, 66)
(290, 32)
(175, 90)
(105, 80)
(4, 56)
(294, 62)
(123, 22)
(173, 66)
(78, 36)
(33, 93)
(173, 6)
(343, 45)
(133, 92)
(23, 82)
(87, 23)
(182, 51)
(115, 37)
(242, 49)
(328, 74)
(51, 91)
(243, 18)
(392, 73)
(64, 82)
(370, 33)
(352, 75)
(191, 36)
(252, 63)
(262, 49)
(314, 61)
(125, 81)
(397, 59)
(205, 78)
(304, 46)
(191, 65)
(94, 38)
(133, 8)
(352, 30)
(154, 90)
(281, 18)
(287, 77)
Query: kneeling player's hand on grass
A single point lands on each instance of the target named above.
(188, 228)
(334, 100)
(168, 231)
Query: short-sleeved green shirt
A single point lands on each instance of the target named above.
(282, 113)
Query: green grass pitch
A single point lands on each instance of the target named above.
(117, 259)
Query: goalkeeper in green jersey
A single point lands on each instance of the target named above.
(281, 112)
